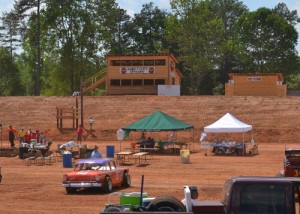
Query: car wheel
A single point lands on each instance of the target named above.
(107, 185)
(70, 190)
(126, 180)
(166, 204)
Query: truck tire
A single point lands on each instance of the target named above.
(166, 204)
(112, 210)
(70, 190)
(126, 180)
(107, 185)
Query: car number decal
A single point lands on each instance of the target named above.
(296, 173)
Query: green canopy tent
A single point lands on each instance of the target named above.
(157, 122)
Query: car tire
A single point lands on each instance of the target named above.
(126, 180)
(71, 190)
(107, 185)
(166, 204)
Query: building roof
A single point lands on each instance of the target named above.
(141, 55)
(279, 75)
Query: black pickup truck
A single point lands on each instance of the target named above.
(241, 195)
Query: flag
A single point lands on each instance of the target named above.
(202, 136)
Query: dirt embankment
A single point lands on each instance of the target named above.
(274, 119)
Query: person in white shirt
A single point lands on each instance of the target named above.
(91, 122)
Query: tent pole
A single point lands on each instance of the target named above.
(244, 144)
(193, 137)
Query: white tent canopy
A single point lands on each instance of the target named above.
(228, 123)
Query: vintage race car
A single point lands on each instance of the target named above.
(291, 163)
(97, 173)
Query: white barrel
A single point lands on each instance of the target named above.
(185, 156)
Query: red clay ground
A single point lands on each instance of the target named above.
(37, 189)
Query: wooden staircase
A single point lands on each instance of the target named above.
(93, 82)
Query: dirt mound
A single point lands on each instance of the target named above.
(274, 119)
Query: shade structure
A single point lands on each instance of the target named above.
(157, 122)
(228, 123)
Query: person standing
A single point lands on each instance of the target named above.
(42, 138)
(142, 138)
(91, 122)
(11, 135)
(96, 153)
(22, 135)
(79, 134)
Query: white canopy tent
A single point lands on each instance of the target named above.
(228, 123)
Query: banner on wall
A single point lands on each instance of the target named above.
(137, 70)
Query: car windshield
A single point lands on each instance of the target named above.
(92, 166)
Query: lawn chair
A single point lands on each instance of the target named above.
(253, 150)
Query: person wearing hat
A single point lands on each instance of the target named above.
(96, 153)
(22, 135)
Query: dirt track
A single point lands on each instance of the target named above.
(37, 189)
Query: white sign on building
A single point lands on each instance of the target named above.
(137, 70)
(168, 90)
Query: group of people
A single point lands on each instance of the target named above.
(146, 142)
(25, 136)
(80, 130)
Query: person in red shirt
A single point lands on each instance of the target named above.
(79, 134)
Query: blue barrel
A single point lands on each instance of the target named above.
(110, 151)
(67, 160)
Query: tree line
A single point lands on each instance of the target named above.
(63, 42)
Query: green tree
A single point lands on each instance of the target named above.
(73, 41)
(32, 9)
(9, 75)
(148, 30)
(9, 32)
(291, 16)
(199, 35)
(229, 11)
(266, 41)
(115, 33)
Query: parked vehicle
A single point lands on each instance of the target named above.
(96, 173)
(241, 195)
(291, 166)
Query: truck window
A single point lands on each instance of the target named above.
(263, 198)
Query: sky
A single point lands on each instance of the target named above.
(134, 6)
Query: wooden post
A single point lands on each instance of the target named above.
(81, 100)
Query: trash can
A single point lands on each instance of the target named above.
(22, 150)
(110, 151)
(67, 159)
(185, 156)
